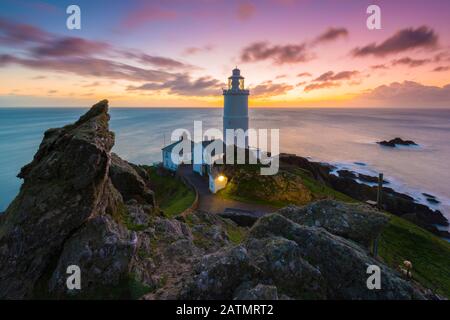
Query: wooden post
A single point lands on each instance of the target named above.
(380, 191)
(375, 247)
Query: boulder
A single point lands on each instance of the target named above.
(260, 292)
(397, 141)
(219, 274)
(357, 222)
(129, 183)
(103, 249)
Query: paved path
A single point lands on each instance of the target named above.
(213, 203)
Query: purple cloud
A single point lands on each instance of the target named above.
(331, 34)
(406, 39)
(268, 88)
(280, 54)
(183, 85)
(70, 47)
(331, 76)
(407, 61)
(15, 33)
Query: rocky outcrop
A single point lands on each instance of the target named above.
(63, 187)
(281, 258)
(68, 201)
(397, 142)
(356, 222)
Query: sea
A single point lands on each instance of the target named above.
(344, 137)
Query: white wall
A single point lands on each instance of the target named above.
(167, 161)
(215, 185)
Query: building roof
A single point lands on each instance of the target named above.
(205, 143)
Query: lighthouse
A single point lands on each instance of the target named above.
(235, 110)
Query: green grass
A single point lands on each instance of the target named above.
(236, 234)
(172, 195)
(320, 190)
(229, 192)
(430, 255)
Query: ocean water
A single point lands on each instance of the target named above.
(344, 137)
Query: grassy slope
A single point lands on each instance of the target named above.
(318, 190)
(430, 255)
(172, 195)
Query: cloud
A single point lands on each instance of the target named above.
(288, 53)
(268, 88)
(410, 62)
(331, 34)
(245, 10)
(379, 67)
(410, 93)
(196, 50)
(304, 74)
(279, 54)
(323, 85)
(69, 46)
(184, 85)
(143, 15)
(442, 69)
(157, 61)
(403, 40)
(331, 76)
(45, 51)
(15, 33)
(89, 67)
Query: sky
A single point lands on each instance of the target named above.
(178, 53)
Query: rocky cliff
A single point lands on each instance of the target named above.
(82, 205)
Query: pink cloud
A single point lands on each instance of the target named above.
(246, 10)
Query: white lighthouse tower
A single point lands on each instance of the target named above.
(235, 111)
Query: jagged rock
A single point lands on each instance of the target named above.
(130, 184)
(260, 292)
(357, 222)
(103, 250)
(70, 209)
(219, 274)
(301, 262)
(397, 141)
(282, 265)
(343, 264)
(63, 186)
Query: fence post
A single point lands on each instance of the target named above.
(380, 191)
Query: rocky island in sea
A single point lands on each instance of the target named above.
(80, 204)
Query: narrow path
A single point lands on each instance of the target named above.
(213, 203)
